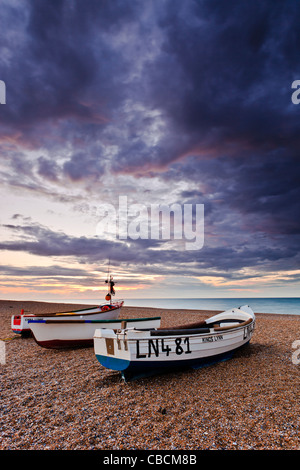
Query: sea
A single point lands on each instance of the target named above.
(280, 305)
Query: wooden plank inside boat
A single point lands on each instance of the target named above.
(110, 346)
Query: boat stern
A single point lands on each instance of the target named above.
(111, 349)
(19, 324)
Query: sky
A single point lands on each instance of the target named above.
(159, 103)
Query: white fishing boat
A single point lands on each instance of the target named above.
(139, 353)
(21, 323)
(57, 334)
(108, 311)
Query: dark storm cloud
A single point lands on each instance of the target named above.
(65, 71)
(221, 75)
(236, 62)
(263, 188)
(194, 91)
(47, 168)
(45, 272)
(218, 61)
(81, 166)
(58, 60)
(223, 78)
(39, 240)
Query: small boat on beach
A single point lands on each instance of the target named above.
(109, 311)
(60, 334)
(143, 352)
(21, 323)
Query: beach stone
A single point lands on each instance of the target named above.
(65, 400)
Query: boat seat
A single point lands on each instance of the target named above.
(223, 328)
(183, 332)
(198, 324)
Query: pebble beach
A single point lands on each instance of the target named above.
(65, 400)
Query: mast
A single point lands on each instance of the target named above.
(110, 281)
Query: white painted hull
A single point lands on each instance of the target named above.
(140, 353)
(56, 334)
(21, 323)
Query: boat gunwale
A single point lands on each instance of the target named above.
(108, 320)
(75, 312)
(171, 336)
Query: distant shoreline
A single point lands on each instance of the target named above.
(267, 305)
(14, 307)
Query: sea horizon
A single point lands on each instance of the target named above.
(276, 305)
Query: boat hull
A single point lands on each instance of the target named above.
(61, 334)
(20, 324)
(135, 370)
(138, 354)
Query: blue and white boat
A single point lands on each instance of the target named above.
(143, 352)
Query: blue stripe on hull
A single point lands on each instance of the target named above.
(135, 369)
(111, 362)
